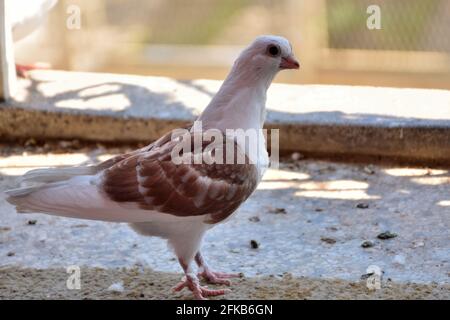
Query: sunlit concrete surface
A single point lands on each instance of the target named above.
(337, 120)
(308, 217)
(149, 97)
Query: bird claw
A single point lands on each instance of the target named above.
(199, 292)
(214, 277)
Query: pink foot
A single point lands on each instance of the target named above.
(200, 292)
(218, 277)
(212, 276)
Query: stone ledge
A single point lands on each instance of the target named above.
(411, 124)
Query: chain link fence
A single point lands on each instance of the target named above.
(200, 38)
(412, 25)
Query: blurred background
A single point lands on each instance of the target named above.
(201, 38)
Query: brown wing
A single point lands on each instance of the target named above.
(158, 143)
(153, 181)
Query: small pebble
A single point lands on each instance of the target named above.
(418, 244)
(386, 235)
(74, 144)
(328, 240)
(362, 205)
(64, 144)
(297, 156)
(254, 244)
(278, 210)
(30, 142)
(80, 226)
(367, 244)
(369, 169)
(116, 287)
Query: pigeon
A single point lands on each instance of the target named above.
(162, 189)
(25, 18)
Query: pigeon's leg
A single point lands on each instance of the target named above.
(185, 246)
(191, 282)
(210, 276)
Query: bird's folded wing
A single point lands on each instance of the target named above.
(163, 140)
(154, 182)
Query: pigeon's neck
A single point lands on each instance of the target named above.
(240, 103)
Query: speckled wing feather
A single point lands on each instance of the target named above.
(155, 183)
(166, 138)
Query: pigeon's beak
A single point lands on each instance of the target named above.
(289, 63)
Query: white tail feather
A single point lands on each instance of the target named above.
(56, 174)
(21, 191)
(78, 197)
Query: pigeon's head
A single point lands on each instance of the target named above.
(270, 54)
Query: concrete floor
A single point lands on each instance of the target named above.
(308, 217)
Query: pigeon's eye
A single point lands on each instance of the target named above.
(273, 50)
